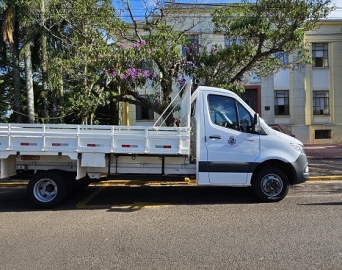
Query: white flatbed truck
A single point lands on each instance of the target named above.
(221, 141)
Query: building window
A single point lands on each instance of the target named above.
(230, 42)
(281, 102)
(283, 57)
(143, 113)
(323, 134)
(191, 47)
(147, 64)
(320, 54)
(321, 103)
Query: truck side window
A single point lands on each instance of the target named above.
(222, 111)
(245, 118)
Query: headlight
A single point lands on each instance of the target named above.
(297, 147)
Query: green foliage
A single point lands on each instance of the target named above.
(82, 30)
(96, 60)
(260, 36)
(4, 101)
(147, 54)
(257, 32)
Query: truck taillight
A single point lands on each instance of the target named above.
(163, 146)
(28, 144)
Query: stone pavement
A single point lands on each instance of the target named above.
(324, 159)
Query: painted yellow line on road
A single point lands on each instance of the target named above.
(113, 183)
(140, 205)
(83, 204)
(187, 181)
(131, 206)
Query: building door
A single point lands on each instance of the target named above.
(250, 97)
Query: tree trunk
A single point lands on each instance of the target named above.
(29, 84)
(16, 85)
(10, 31)
(44, 63)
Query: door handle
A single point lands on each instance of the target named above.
(215, 137)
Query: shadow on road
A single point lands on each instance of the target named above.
(132, 198)
(322, 204)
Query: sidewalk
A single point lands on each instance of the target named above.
(324, 160)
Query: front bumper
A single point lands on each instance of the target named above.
(301, 168)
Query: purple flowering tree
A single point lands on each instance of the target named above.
(145, 54)
(154, 55)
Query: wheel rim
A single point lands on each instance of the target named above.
(45, 190)
(272, 185)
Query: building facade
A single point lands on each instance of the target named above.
(307, 101)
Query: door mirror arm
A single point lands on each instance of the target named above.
(256, 123)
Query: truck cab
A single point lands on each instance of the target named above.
(233, 146)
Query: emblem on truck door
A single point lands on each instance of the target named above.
(231, 140)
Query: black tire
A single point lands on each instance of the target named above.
(47, 189)
(76, 185)
(270, 184)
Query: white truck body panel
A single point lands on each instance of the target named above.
(73, 139)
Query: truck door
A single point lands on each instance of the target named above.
(232, 146)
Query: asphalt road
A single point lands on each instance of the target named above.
(179, 227)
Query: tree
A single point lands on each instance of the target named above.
(83, 36)
(257, 33)
(10, 34)
(19, 32)
(29, 34)
(40, 35)
(157, 56)
(44, 60)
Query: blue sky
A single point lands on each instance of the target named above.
(336, 14)
(138, 6)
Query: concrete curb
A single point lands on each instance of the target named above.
(187, 181)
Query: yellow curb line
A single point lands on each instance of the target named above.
(14, 184)
(140, 183)
(325, 178)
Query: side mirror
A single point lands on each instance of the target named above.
(256, 123)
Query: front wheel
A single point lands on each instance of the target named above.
(270, 184)
(47, 189)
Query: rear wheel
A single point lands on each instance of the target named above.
(48, 189)
(270, 184)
